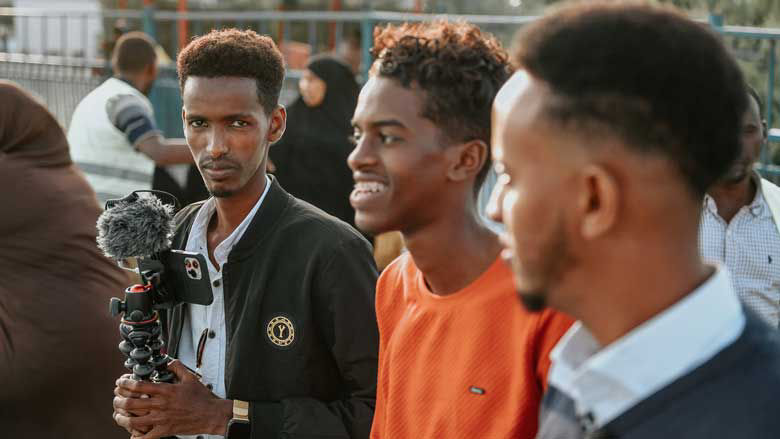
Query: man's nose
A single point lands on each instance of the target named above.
(217, 146)
(362, 155)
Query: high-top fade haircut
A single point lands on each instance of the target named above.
(458, 68)
(648, 75)
(236, 53)
(133, 52)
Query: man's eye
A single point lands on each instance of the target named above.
(239, 123)
(197, 123)
(355, 137)
(387, 139)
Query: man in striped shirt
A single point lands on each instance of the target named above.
(112, 135)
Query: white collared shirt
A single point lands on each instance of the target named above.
(606, 382)
(211, 318)
(749, 246)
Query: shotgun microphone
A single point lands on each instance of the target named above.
(137, 226)
(140, 226)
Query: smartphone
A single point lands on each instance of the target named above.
(185, 276)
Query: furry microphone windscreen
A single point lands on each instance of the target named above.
(138, 228)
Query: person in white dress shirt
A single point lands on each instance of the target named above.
(739, 223)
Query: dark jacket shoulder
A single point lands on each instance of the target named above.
(740, 384)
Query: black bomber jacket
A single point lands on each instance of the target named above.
(302, 338)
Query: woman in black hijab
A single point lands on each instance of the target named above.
(311, 157)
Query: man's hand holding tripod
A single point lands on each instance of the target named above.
(152, 410)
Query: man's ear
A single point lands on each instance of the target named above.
(278, 124)
(764, 129)
(467, 159)
(150, 72)
(598, 202)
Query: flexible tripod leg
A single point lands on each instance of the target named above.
(159, 360)
(137, 337)
(142, 335)
(143, 345)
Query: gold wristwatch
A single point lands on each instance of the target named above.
(238, 426)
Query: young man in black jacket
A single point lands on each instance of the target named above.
(290, 341)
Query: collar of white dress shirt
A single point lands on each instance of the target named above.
(201, 223)
(757, 207)
(604, 383)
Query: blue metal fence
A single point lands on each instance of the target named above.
(164, 26)
(772, 36)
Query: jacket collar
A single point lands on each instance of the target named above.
(276, 202)
(263, 223)
(274, 205)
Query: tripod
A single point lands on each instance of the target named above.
(141, 331)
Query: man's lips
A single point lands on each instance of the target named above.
(218, 169)
(366, 191)
(217, 172)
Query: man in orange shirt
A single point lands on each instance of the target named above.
(459, 356)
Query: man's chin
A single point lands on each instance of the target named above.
(371, 225)
(221, 193)
(535, 301)
(735, 176)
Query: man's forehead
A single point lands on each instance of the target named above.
(383, 98)
(519, 118)
(520, 92)
(218, 85)
(209, 92)
(511, 91)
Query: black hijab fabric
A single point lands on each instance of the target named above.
(311, 157)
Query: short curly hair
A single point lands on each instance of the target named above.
(238, 53)
(645, 74)
(458, 67)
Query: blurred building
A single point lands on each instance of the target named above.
(77, 35)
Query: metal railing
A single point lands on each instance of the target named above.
(277, 23)
(82, 39)
(772, 36)
(61, 82)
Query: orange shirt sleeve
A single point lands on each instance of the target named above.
(550, 328)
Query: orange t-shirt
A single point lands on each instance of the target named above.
(469, 365)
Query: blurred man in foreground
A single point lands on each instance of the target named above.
(604, 155)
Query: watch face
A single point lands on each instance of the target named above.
(238, 429)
